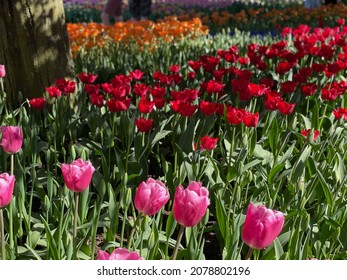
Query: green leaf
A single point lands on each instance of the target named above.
(170, 225)
(299, 167)
(274, 171)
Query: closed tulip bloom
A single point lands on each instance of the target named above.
(119, 254)
(261, 226)
(6, 189)
(2, 71)
(77, 175)
(12, 139)
(190, 204)
(151, 196)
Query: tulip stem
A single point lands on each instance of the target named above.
(75, 226)
(2, 235)
(10, 211)
(249, 254)
(178, 242)
(136, 223)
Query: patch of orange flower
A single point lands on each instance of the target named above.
(144, 33)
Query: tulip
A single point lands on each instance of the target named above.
(12, 139)
(77, 175)
(119, 254)
(151, 196)
(261, 226)
(208, 143)
(2, 71)
(190, 204)
(6, 189)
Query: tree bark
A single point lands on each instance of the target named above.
(34, 46)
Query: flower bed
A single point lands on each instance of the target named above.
(231, 133)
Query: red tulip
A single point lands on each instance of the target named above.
(65, 86)
(37, 103)
(12, 139)
(340, 113)
(144, 125)
(53, 91)
(235, 116)
(119, 254)
(151, 196)
(77, 175)
(136, 75)
(286, 108)
(306, 132)
(251, 120)
(87, 78)
(208, 108)
(6, 189)
(190, 204)
(115, 105)
(261, 226)
(97, 99)
(208, 143)
(145, 106)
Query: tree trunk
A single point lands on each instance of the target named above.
(34, 46)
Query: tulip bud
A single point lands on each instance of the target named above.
(151, 196)
(2, 71)
(77, 175)
(190, 204)
(119, 254)
(6, 189)
(12, 139)
(261, 226)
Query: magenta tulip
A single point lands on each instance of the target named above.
(12, 139)
(6, 189)
(190, 204)
(2, 71)
(151, 196)
(119, 254)
(261, 226)
(77, 175)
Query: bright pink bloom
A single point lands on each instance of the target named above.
(77, 175)
(6, 189)
(119, 254)
(190, 204)
(208, 143)
(261, 226)
(12, 139)
(2, 71)
(151, 196)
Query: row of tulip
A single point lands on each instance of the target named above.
(260, 123)
(254, 17)
(146, 34)
(190, 204)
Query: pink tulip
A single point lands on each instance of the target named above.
(190, 204)
(77, 175)
(6, 189)
(119, 254)
(261, 226)
(12, 139)
(151, 196)
(2, 71)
